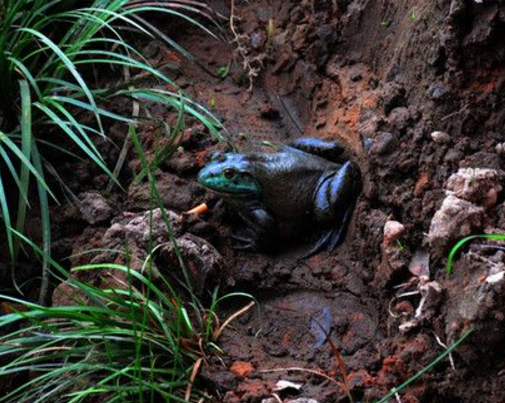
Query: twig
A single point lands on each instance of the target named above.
(194, 372)
(251, 64)
(451, 359)
(227, 321)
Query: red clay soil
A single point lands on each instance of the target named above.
(414, 90)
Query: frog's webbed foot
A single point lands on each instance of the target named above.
(335, 199)
(330, 150)
(259, 231)
(331, 239)
(244, 242)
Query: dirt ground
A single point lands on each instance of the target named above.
(414, 90)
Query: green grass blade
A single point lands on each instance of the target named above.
(26, 149)
(71, 68)
(454, 250)
(441, 357)
(46, 227)
(96, 158)
(6, 218)
(25, 161)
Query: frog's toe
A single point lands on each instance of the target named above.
(330, 240)
(244, 242)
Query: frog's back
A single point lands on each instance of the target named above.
(288, 181)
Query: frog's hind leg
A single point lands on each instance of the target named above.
(330, 150)
(335, 199)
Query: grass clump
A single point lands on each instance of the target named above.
(130, 342)
(52, 93)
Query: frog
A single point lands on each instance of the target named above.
(305, 184)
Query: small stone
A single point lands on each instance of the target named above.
(368, 143)
(481, 186)
(257, 40)
(438, 93)
(419, 266)
(356, 77)
(152, 49)
(325, 31)
(421, 184)
(404, 307)
(455, 219)
(242, 369)
(283, 385)
(393, 230)
(500, 149)
(171, 69)
(440, 137)
(280, 39)
(94, 208)
(384, 143)
(393, 95)
(373, 83)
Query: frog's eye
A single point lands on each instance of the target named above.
(229, 173)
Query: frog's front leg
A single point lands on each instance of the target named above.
(260, 231)
(334, 202)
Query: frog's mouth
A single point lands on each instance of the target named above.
(243, 184)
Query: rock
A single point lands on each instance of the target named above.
(171, 69)
(421, 184)
(201, 259)
(368, 143)
(473, 301)
(440, 137)
(453, 156)
(394, 256)
(477, 185)
(400, 118)
(94, 208)
(182, 162)
(257, 40)
(393, 96)
(404, 308)
(177, 193)
(280, 39)
(455, 219)
(393, 230)
(135, 235)
(384, 143)
(241, 369)
(356, 77)
(284, 385)
(438, 93)
(152, 49)
(419, 266)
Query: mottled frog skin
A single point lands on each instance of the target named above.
(284, 193)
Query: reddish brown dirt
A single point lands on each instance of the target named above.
(380, 76)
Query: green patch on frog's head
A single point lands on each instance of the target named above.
(229, 173)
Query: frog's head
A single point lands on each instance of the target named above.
(229, 173)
